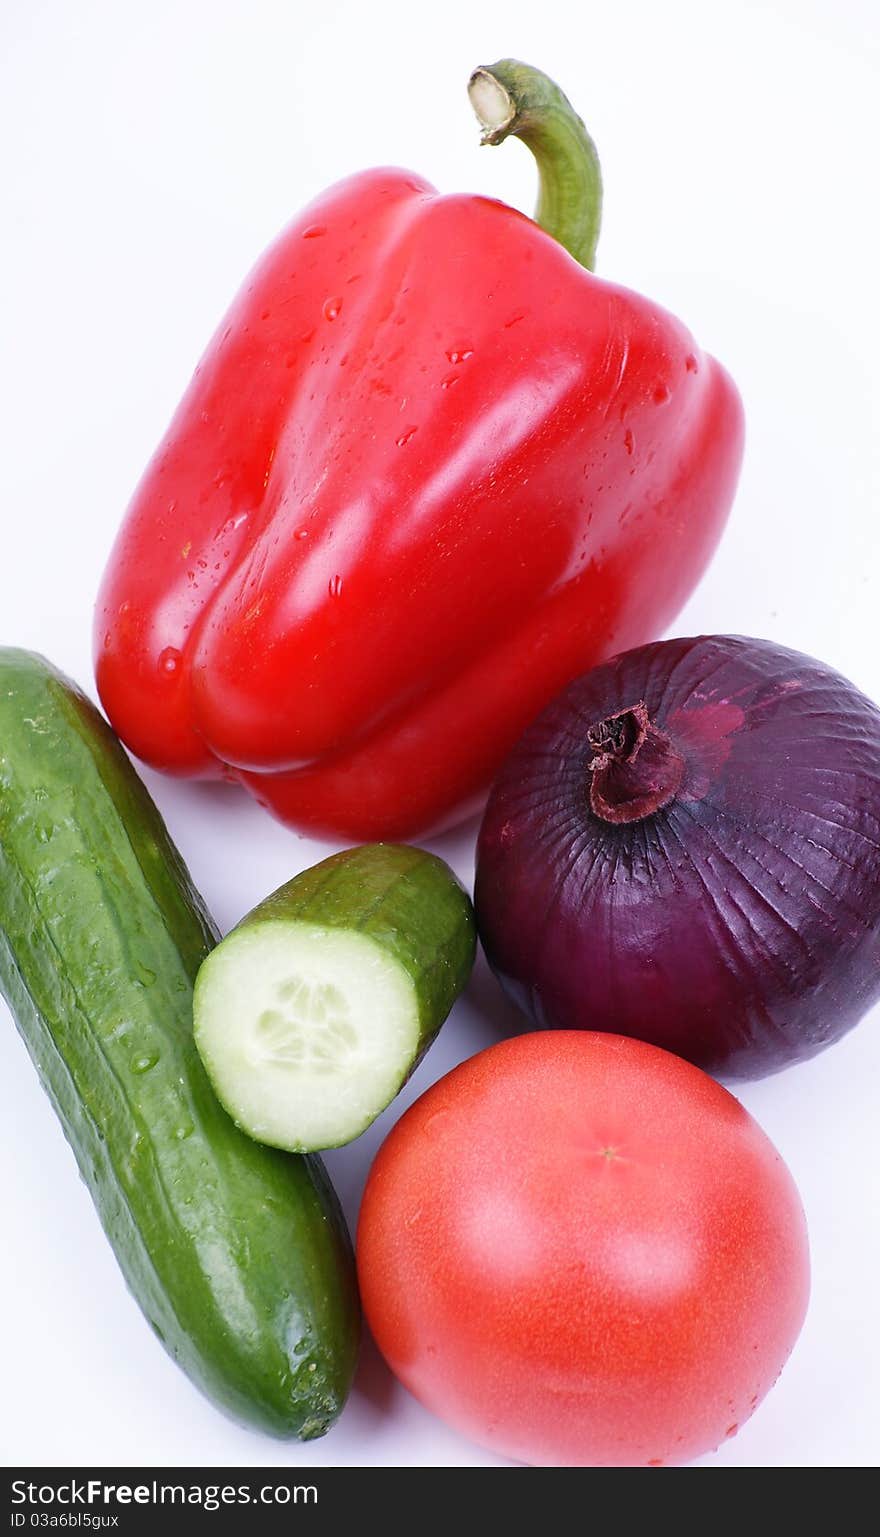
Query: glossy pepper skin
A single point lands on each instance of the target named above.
(428, 469)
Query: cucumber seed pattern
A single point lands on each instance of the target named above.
(310, 1028)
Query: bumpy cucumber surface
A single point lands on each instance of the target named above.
(315, 1010)
(237, 1254)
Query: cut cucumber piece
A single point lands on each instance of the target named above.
(313, 1012)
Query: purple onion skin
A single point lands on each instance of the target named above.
(730, 909)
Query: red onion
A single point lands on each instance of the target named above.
(685, 847)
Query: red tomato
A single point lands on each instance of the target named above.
(579, 1249)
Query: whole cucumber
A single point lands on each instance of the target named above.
(237, 1254)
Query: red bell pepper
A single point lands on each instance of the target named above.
(428, 470)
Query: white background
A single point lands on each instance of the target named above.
(151, 152)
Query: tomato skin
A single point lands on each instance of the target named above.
(581, 1250)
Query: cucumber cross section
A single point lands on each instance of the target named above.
(311, 1015)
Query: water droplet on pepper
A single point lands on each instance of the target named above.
(169, 660)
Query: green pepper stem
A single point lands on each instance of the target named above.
(513, 98)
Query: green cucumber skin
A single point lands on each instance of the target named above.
(238, 1254)
(407, 900)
